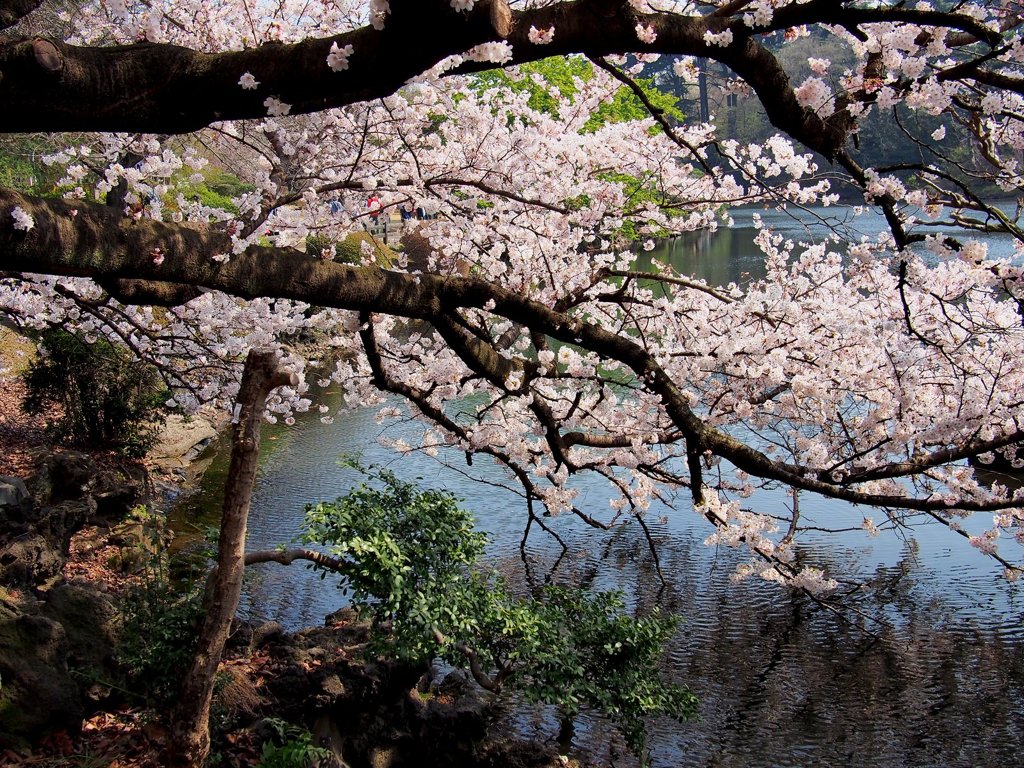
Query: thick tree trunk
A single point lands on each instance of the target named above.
(190, 734)
(13, 11)
(49, 85)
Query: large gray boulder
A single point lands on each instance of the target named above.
(181, 441)
(15, 505)
(92, 627)
(29, 560)
(13, 493)
(63, 475)
(35, 551)
(69, 490)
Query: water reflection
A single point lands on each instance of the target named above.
(936, 678)
(720, 258)
(926, 668)
(728, 256)
(783, 682)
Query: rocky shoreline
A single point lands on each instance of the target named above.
(58, 630)
(73, 540)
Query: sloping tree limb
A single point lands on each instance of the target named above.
(289, 556)
(13, 11)
(421, 401)
(162, 88)
(190, 734)
(97, 242)
(484, 680)
(153, 87)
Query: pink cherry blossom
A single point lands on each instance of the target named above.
(22, 219)
(541, 36)
(863, 365)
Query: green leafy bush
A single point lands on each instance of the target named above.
(106, 399)
(218, 189)
(350, 250)
(295, 749)
(407, 557)
(21, 163)
(160, 626)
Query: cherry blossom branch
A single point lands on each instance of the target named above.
(671, 280)
(171, 377)
(656, 112)
(935, 458)
(59, 243)
(150, 87)
(437, 415)
(951, 525)
(49, 85)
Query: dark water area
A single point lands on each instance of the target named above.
(922, 667)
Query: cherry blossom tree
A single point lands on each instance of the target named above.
(867, 369)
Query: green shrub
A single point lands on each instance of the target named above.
(349, 250)
(218, 189)
(294, 750)
(106, 399)
(225, 183)
(159, 632)
(21, 165)
(211, 198)
(317, 244)
(408, 557)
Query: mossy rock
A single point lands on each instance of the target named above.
(30, 560)
(49, 653)
(37, 693)
(92, 628)
(349, 250)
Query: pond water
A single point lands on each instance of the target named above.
(926, 668)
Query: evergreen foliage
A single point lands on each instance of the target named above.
(160, 621)
(408, 557)
(105, 398)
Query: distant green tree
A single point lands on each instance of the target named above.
(542, 79)
(22, 166)
(217, 189)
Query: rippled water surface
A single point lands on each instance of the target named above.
(926, 668)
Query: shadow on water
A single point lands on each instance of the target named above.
(782, 682)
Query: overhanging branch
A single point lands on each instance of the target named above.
(99, 243)
(162, 88)
(13, 11)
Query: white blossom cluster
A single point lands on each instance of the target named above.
(835, 363)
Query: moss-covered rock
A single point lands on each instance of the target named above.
(29, 560)
(68, 491)
(92, 628)
(37, 694)
(55, 659)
